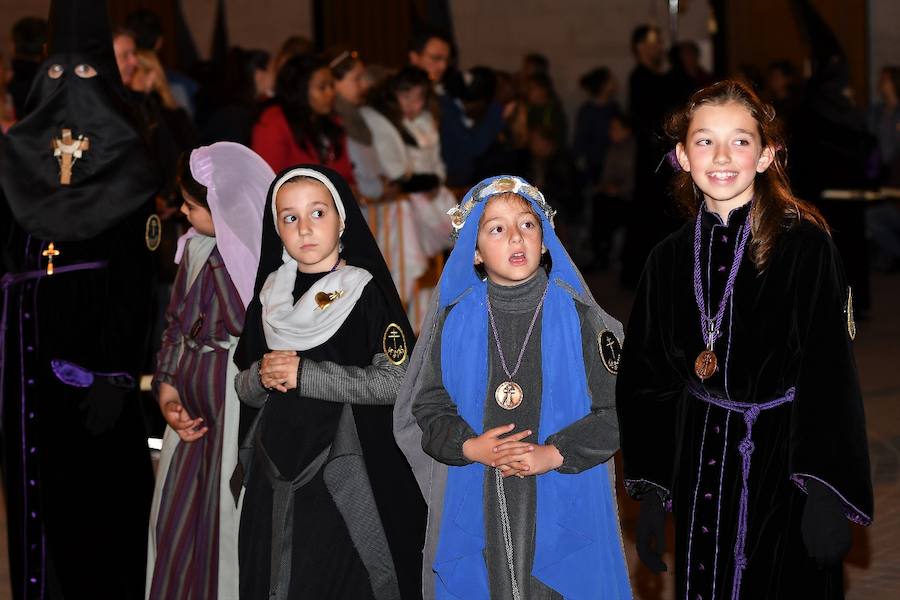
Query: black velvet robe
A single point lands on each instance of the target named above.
(78, 494)
(786, 327)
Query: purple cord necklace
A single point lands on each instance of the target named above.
(707, 364)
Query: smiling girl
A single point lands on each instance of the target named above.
(738, 397)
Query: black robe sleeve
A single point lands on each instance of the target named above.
(828, 430)
(648, 388)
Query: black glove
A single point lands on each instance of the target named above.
(825, 530)
(102, 405)
(651, 530)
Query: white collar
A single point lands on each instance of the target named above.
(305, 325)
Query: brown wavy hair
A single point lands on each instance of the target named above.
(775, 208)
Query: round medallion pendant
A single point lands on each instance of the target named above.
(509, 395)
(706, 365)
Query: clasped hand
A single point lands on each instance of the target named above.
(510, 454)
(278, 370)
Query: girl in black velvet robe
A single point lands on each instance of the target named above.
(762, 460)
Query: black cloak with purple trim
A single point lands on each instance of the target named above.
(788, 326)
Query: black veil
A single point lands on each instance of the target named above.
(360, 250)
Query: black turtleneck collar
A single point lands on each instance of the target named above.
(522, 297)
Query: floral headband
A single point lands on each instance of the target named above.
(501, 185)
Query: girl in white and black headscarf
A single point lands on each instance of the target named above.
(331, 508)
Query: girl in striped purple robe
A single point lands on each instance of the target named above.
(194, 519)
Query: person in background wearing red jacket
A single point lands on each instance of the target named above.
(299, 127)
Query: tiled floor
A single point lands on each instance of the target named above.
(873, 568)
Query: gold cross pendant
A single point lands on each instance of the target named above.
(50, 252)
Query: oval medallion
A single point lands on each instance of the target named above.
(394, 344)
(610, 350)
(509, 395)
(152, 233)
(706, 365)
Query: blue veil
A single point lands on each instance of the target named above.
(578, 545)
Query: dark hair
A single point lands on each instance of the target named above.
(544, 130)
(595, 80)
(320, 132)
(258, 59)
(538, 61)
(384, 97)
(29, 36)
(185, 180)
(542, 80)
(146, 27)
(420, 38)
(775, 207)
(481, 84)
(121, 30)
(239, 83)
(641, 33)
(291, 47)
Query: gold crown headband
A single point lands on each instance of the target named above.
(515, 185)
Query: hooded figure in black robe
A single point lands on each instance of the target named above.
(76, 467)
(331, 508)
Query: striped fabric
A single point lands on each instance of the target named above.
(194, 359)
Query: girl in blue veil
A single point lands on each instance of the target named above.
(507, 413)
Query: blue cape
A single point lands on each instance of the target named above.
(578, 549)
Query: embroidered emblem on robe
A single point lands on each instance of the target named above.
(152, 233)
(610, 350)
(394, 344)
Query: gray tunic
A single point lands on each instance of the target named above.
(583, 444)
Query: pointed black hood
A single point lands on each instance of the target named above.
(81, 28)
(114, 175)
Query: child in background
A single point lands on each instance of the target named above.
(510, 392)
(194, 519)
